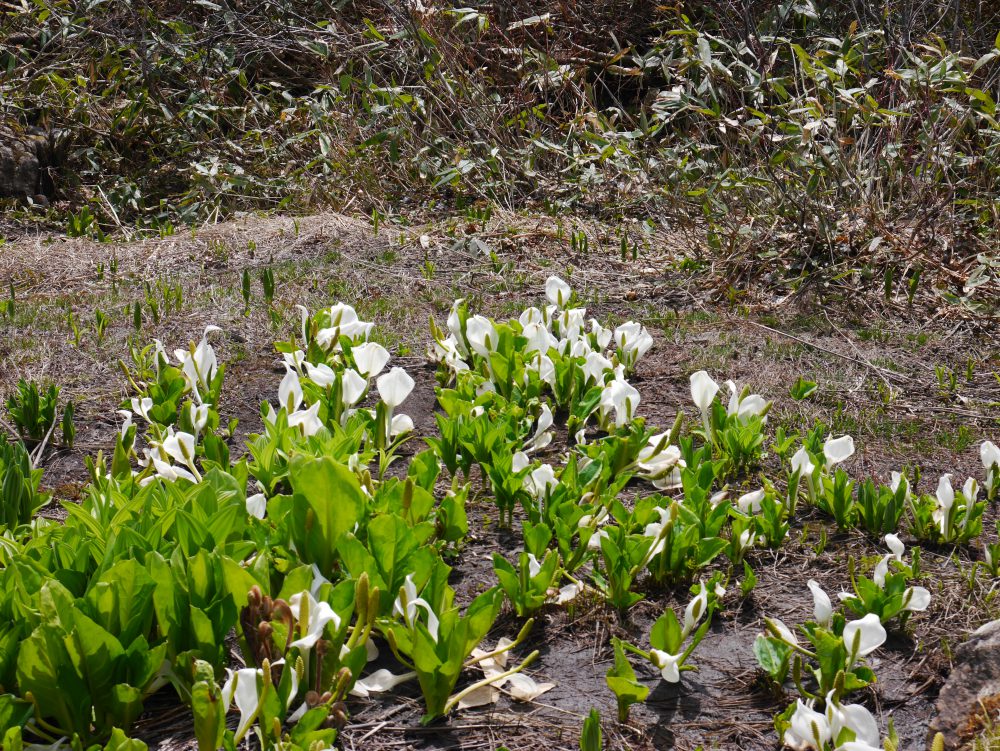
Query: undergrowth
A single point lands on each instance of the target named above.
(835, 138)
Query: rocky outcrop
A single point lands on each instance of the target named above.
(969, 700)
(23, 157)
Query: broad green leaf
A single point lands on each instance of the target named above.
(536, 537)
(44, 668)
(121, 600)
(830, 653)
(424, 469)
(239, 580)
(622, 681)
(14, 712)
(391, 543)
(452, 519)
(708, 549)
(327, 503)
(121, 742)
(772, 655)
(124, 707)
(12, 740)
(299, 579)
(95, 654)
(666, 634)
(357, 560)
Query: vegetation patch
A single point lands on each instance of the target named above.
(582, 375)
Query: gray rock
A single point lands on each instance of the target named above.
(21, 157)
(974, 683)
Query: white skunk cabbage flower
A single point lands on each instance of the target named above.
(407, 605)
(257, 505)
(244, 686)
(802, 464)
(540, 482)
(990, 456)
(863, 636)
(290, 391)
(344, 321)
(695, 610)
(749, 503)
(808, 729)
(482, 335)
(745, 405)
(667, 664)
(379, 682)
(306, 420)
(660, 463)
(371, 358)
(199, 363)
(621, 398)
(543, 434)
(633, 342)
(822, 606)
(312, 617)
(837, 450)
(853, 717)
(557, 291)
(394, 387)
(703, 390)
(596, 367)
(600, 335)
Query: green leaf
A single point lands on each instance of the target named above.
(168, 602)
(98, 657)
(357, 560)
(501, 370)
(326, 504)
(452, 519)
(238, 581)
(125, 706)
(831, 654)
(391, 542)
(121, 742)
(772, 655)
(14, 712)
(802, 389)
(44, 668)
(12, 740)
(299, 579)
(590, 738)
(749, 580)
(424, 469)
(479, 617)
(709, 548)
(666, 633)
(121, 600)
(436, 676)
(622, 681)
(536, 537)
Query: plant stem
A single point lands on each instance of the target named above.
(456, 698)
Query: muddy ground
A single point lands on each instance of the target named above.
(879, 365)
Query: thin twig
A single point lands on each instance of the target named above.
(861, 358)
(37, 453)
(10, 429)
(885, 371)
